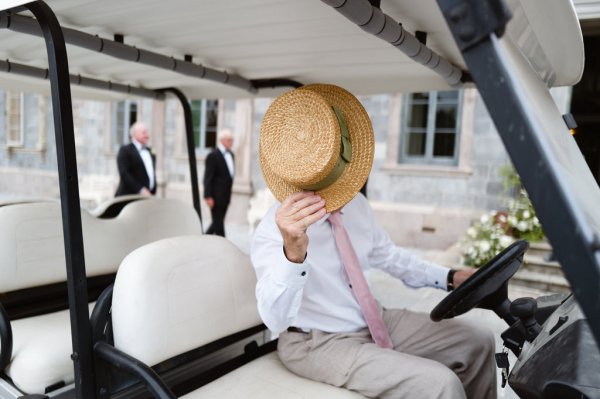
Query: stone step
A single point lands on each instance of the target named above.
(541, 249)
(538, 272)
(549, 283)
(538, 264)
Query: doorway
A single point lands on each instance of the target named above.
(585, 106)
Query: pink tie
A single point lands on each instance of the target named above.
(359, 284)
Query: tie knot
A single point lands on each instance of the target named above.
(335, 219)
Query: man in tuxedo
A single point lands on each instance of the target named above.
(218, 179)
(136, 164)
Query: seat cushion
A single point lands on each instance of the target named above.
(41, 352)
(181, 293)
(267, 378)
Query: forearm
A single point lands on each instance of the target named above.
(280, 283)
(278, 254)
(413, 270)
(278, 303)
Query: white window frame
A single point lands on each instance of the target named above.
(428, 158)
(15, 142)
(200, 130)
(394, 137)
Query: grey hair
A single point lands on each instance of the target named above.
(135, 126)
(224, 132)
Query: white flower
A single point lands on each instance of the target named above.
(484, 218)
(471, 232)
(526, 214)
(484, 246)
(522, 226)
(505, 241)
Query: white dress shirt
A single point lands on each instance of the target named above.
(147, 159)
(316, 293)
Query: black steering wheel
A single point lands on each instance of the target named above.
(487, 288)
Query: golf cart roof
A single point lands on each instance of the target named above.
(304, 41)
(239, 44)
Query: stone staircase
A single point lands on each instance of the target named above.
(539, 273)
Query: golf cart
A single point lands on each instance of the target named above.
(512, 52)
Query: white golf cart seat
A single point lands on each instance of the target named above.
(195, 291)
(33, 259)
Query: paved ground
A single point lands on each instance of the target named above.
(393, 293)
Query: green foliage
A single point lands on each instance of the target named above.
(496, 230)
(511, 179)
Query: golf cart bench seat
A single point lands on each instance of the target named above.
(178, 296)
(33, 276)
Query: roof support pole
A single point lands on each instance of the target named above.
(69, 196)
(40, 73)
(19, 23)
(191, 146)
(374, 21)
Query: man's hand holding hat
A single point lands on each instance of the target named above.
(296, 213)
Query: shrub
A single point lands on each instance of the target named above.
(496, 230)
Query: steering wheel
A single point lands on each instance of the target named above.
(487, 288)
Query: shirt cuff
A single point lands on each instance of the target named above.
(438, 276)
(293, 274)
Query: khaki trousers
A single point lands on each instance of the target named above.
(450, 359)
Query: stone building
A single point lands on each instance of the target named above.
(437, 155)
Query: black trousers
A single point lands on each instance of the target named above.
(217, 226)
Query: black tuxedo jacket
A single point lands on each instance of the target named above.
(132, 171)
(217, 180)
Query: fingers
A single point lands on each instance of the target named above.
(297, 204)
(293, 217)
(300, 210)
(297, 200)
(311, 213)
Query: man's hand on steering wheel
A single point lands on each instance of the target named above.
(461, 275)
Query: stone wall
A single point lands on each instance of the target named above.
(421, 209)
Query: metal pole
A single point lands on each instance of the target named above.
(22, 24)
(69, 195)
(191, 146)
(40, 73)
(371, 19)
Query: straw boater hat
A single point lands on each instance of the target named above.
(317, 138)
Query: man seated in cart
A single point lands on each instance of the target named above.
(310, 251)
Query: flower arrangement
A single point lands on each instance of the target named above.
(496, 230)
(485, 239)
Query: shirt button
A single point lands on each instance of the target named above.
(436, 283)
(303, 274)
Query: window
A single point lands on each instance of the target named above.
(204, 120)
(124, 115)
(14, 119)
(430, 128)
